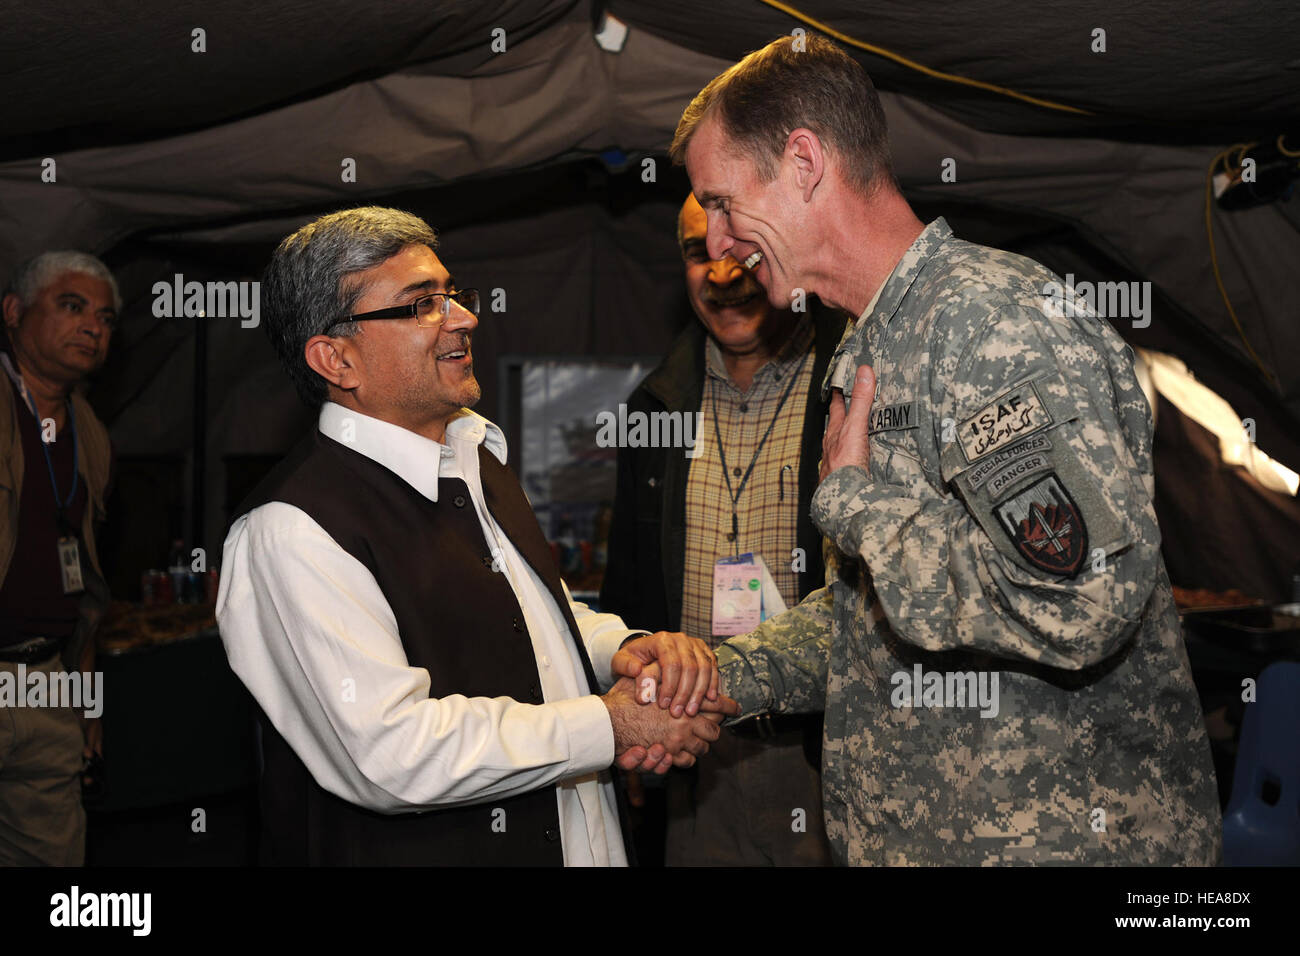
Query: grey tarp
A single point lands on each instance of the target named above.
(242, 158)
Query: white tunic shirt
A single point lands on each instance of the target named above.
(307, 629)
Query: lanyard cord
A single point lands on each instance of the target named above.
(722, 456)
(61, 505)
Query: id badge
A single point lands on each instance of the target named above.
(70, 565)
(737, 596)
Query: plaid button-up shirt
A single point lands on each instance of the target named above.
(768, 508)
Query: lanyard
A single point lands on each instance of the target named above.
(734, 536)
(61, 504)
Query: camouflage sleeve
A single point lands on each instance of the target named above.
(780, 666)
(1056, 570)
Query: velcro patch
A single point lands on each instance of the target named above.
(1046, 526)
(840, 373)
(980, 473)
(1003, 421)
(893, 417)
(1017, 470)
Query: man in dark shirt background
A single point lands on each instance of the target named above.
(59, 314)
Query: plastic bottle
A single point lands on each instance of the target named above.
(179, 570)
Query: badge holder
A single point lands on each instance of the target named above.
(744, 595)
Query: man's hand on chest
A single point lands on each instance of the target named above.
(846, 439)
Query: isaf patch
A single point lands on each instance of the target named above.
(1046, 526)
(1003, 422)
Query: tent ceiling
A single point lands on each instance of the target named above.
(117, 78)
(1173, 70)
(152, 139)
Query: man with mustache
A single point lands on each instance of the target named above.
(55, 460)
(428, 690)
(753, 370)
(987, 485)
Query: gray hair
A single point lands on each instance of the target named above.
(36, 273)
(307, 289)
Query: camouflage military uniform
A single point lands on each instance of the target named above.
(1004, 531)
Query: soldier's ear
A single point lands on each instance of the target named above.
(804, 150)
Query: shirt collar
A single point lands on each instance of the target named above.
(791, 353)
(413, 458)
(20, 386)
(892, 290)
(14, 375)
(840, 372)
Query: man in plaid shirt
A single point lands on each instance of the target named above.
(750, 371)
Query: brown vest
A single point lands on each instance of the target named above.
(457, 618)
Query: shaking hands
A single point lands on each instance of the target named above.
(666, 707)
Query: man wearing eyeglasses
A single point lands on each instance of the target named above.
(55, 460)
(428, 690)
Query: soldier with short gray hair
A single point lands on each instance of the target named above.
(996, 650)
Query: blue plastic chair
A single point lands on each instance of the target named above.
(1262, 824)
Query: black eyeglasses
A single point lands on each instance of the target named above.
(429, 310)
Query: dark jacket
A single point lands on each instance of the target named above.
(647, 540)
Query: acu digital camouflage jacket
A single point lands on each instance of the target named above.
(997, 649)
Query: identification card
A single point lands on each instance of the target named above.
(737, 596)
(70, 566)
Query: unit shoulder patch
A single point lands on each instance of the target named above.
(996, 465)
(1046, 526)
(1003, 422)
